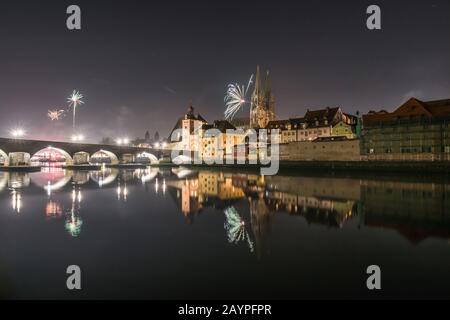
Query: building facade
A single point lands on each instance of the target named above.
(185, 134)
(218, 140)
(415, 131)
(328, 122)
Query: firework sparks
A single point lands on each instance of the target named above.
(74, 101)
(235, 227)
(236, 98)
(55, 114)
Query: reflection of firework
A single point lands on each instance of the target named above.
(55, 114)
(75, 100)
(235, 98)
(73, 225)
(235, 227)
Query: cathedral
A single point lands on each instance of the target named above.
(262, 109)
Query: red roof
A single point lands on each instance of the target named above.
(413, 108)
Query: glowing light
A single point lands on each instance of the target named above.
(125, 193)
(16, 201)
(122, 141)
(74, 101)
(235, 98)
(157, 145)
(17, 133)
(55, 114)
(77, 137)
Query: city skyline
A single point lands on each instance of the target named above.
(134, 65)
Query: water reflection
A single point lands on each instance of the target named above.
(415, 209)
(73, 220)
(236, 228)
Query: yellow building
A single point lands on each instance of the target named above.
(329, 122)
(218, 140)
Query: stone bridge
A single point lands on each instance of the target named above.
(16, 152)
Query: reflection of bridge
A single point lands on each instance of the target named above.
(14, 152)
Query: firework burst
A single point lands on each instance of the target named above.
(236, 98)
(74, 100)
(55, 114)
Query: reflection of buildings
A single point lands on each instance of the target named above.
(208, 189)
(53, 209)
(313, 198)
(416, 210)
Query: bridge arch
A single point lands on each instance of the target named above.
(67, 156)
(104, 177)
(102, 154)
(52, 181)
(153, 159)
(182, 159)
(4, 158)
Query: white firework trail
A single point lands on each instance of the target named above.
(236, 98)
(75, 100)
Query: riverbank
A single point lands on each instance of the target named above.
(20, 168)
(441, 167)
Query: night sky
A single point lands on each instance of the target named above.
(140, 63)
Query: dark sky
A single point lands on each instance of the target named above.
(140, 63)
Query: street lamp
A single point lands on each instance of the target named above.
(122, 141)
(17, 133)
(76, 138)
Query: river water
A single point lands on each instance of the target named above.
(180, 233)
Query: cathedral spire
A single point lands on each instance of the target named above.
(257, 91)
(268, 88)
